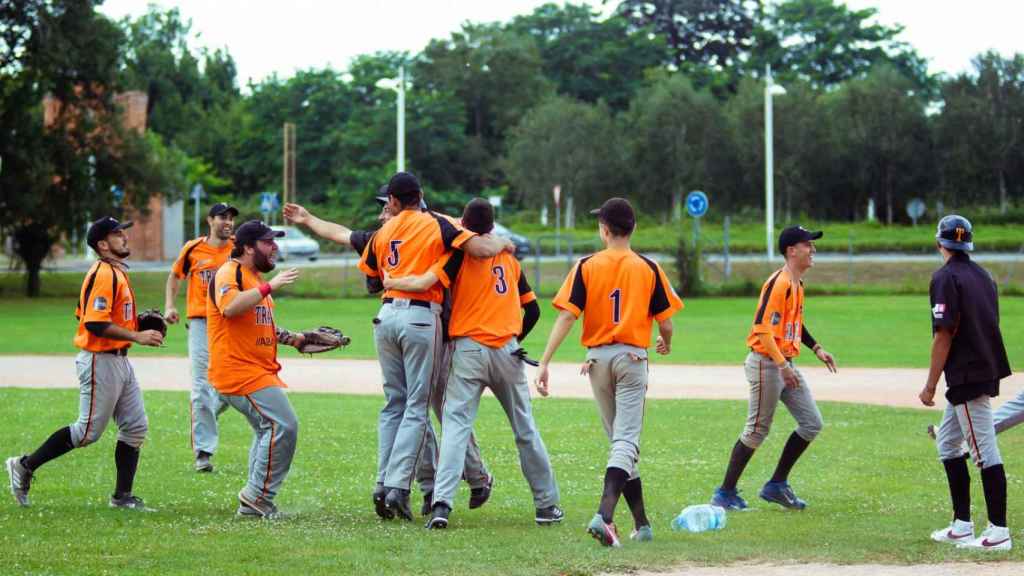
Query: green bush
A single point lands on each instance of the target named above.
(688, 262)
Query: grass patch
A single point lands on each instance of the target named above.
(860, 484)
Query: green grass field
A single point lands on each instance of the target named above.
(872, 480)
(884, 331)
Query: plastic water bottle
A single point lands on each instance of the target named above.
(700, 518)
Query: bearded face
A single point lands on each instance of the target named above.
(117, 243)
(222, 225)
(264, 257)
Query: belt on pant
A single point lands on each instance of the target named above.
(420, 303)
(118, 352)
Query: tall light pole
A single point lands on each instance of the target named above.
(770, 89)
(398, 85)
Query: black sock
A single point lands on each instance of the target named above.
(960, 487)
(633, 491)
(57, 445)
(741, 454)
(127, 459)
(795, 446)
(993, 480)
(614, 481)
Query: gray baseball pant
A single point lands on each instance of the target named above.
(618, 377)
(1010, 413)
(408, 339)
(767, 388)
(108, 388)
(475, 367)
(970, 423)
(475, 473)
(275, 432)
(205, 403)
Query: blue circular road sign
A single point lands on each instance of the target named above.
(696, 203)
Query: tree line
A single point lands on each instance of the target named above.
(660, 98)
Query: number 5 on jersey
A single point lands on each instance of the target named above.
(393, 253)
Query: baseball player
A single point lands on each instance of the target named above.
(620, 294)
(476, 474)
(243, 342)
(407, 330)
(486, 328)
(107, 386)
(774, 342)
(199, 260)
(967, 346)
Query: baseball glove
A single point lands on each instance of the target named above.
(152, 319)
(322, 339)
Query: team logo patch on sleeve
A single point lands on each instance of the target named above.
(776, 318)
(224, 290)
(100, 303)
(938, 311)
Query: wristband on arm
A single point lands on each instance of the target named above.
(265, 289)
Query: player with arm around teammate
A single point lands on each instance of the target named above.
(620, 295)
(198, 261)
(243, 361)
(107, 386)
(967, 346)
(486, 329)
(774, 341)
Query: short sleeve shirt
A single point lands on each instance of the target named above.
(487, 297)
(963, 300)
(410, 244)
(620, 294)
(243, 348)
(198, 262)
(107, 297)
(780, 312)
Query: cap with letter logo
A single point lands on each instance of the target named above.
(100, 229)
(955, 233)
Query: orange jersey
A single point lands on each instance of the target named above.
(780, 312)
(243, 349)
(487, 297)
(198, 262)
(410, 244)
(620, 293)
(106, 296)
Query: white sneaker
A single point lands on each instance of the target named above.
(993, 538)
(957, 532)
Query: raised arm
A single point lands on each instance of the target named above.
(247, 299)
(296, 214)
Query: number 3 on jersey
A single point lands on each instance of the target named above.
(616, 298)
(393, 253)
(501, 285)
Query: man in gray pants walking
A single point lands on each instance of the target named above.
(486, 328)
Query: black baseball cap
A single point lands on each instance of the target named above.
(617, 212)
(247, 234)
(99, 229)
(382, 195)
(955, 233)
(221, 208)
(404, 186)
(794, 235)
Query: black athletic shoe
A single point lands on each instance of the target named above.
(379, 494)
(548, 516)
(427, 501)
(479, 496)
(397, 502)
(439, 517)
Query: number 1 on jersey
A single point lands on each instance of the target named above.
(616, 298)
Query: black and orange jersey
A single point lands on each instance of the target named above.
(487, 296)
(780, 312)
(106, 296)
(620, 293)
(243, 349)
(198, 261)
(410, 244)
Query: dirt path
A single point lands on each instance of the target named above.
(880, 386)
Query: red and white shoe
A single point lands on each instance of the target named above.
(993, 538)
(957, 532)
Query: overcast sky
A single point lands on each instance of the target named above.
(267, 36)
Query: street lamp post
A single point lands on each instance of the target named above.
(398, 85)
(770, 89)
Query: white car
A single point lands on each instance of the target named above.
(295, 244)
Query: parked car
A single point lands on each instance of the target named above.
(521, 242)
(295, 244)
